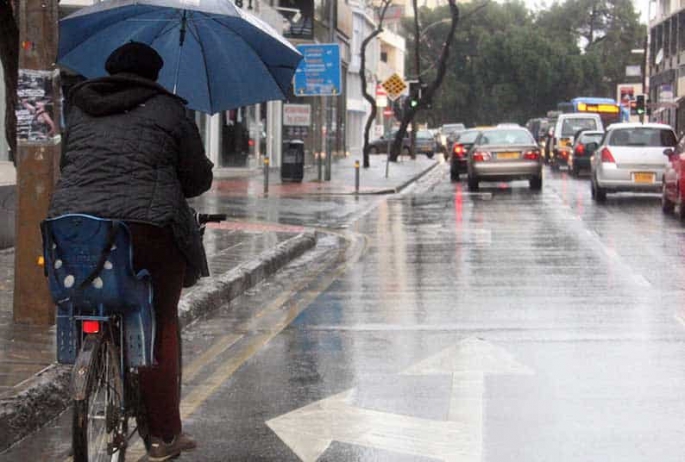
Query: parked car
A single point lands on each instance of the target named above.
(459, 152)
(580, 152)
(673, 186)
(631, 158)
(425, 143)
(504, 154)
(567, 125)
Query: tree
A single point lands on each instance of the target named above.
(409, 111)
(9, 55)
(362, 74)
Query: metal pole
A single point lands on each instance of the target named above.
(356, 177)
(329, 112)
(387, 161)
(266, 176)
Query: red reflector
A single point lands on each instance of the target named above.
(607, 157)
(580, 150)
(481, 156)
(91, 327)
(532, 155)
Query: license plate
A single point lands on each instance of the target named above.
(643, 177)
(507, 155)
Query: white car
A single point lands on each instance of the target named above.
(631, 158)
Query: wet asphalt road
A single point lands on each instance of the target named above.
(506, 325)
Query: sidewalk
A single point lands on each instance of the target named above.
(33, 390)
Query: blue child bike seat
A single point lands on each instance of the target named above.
(89, 265)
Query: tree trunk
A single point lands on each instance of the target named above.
(371, 100)
(362, 74)
(9, 55)
(427, 93)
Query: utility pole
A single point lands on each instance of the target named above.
(332, 4)
(37, 154)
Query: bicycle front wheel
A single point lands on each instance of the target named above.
(99, 431)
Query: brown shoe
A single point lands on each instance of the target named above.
(160, 450)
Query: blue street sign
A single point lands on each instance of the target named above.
(319, 71)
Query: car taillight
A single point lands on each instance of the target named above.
(580, 150)
(531, 155)
(91, 327)
(458, 150)
(481, 156)
(607, 157)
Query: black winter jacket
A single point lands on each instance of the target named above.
(131, 153)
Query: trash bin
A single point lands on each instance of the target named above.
(292, 165)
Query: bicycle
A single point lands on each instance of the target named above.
(105, 328)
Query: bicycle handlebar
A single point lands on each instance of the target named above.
(203, 218)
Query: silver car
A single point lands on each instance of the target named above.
(631, 158)
(509, 153)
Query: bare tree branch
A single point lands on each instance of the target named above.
(362, 74)
(409, 112)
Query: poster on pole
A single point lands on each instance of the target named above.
(35, 110)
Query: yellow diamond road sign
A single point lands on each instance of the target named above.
(395, 86)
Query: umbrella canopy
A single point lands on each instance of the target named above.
(216, 56)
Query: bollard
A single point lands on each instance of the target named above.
(320, 166)
(356, 177)
(266, 175)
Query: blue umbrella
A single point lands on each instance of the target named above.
(216, 56)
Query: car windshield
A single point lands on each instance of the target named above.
(468, 137)
(570, 127)
(505, 137)
(642, 136)
(594, 138)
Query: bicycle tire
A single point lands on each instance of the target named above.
(98, 427)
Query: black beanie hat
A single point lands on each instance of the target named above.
(135, 58)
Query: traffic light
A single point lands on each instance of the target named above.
(640, 104)
(414, 93)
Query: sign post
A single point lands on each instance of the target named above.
(319, 75)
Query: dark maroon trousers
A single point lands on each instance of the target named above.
(155, 250)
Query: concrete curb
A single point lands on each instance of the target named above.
(47, 394)
(211, 293)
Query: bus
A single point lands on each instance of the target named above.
(607, 108)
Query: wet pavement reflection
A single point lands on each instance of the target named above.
(502, 325)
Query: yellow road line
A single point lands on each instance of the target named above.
(249, 345)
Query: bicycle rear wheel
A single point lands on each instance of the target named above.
(99, 433)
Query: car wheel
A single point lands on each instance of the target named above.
(405, 151)
(430, 155)
(681, 207)
(575, 172)
(555, 165)
(472, 183)
(373, 150)
(667, 206)
(535, 183)
(599, 194)
(454, 176)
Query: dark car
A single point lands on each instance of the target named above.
(425, 143)
(582, 151)
(459, 152)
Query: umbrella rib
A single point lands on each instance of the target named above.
(166, 30)
(225, 26)
(196, 34)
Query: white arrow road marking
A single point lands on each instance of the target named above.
(309, 431)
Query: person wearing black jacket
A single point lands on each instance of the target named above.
(131, 153)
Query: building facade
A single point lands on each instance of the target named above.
(666, 63)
